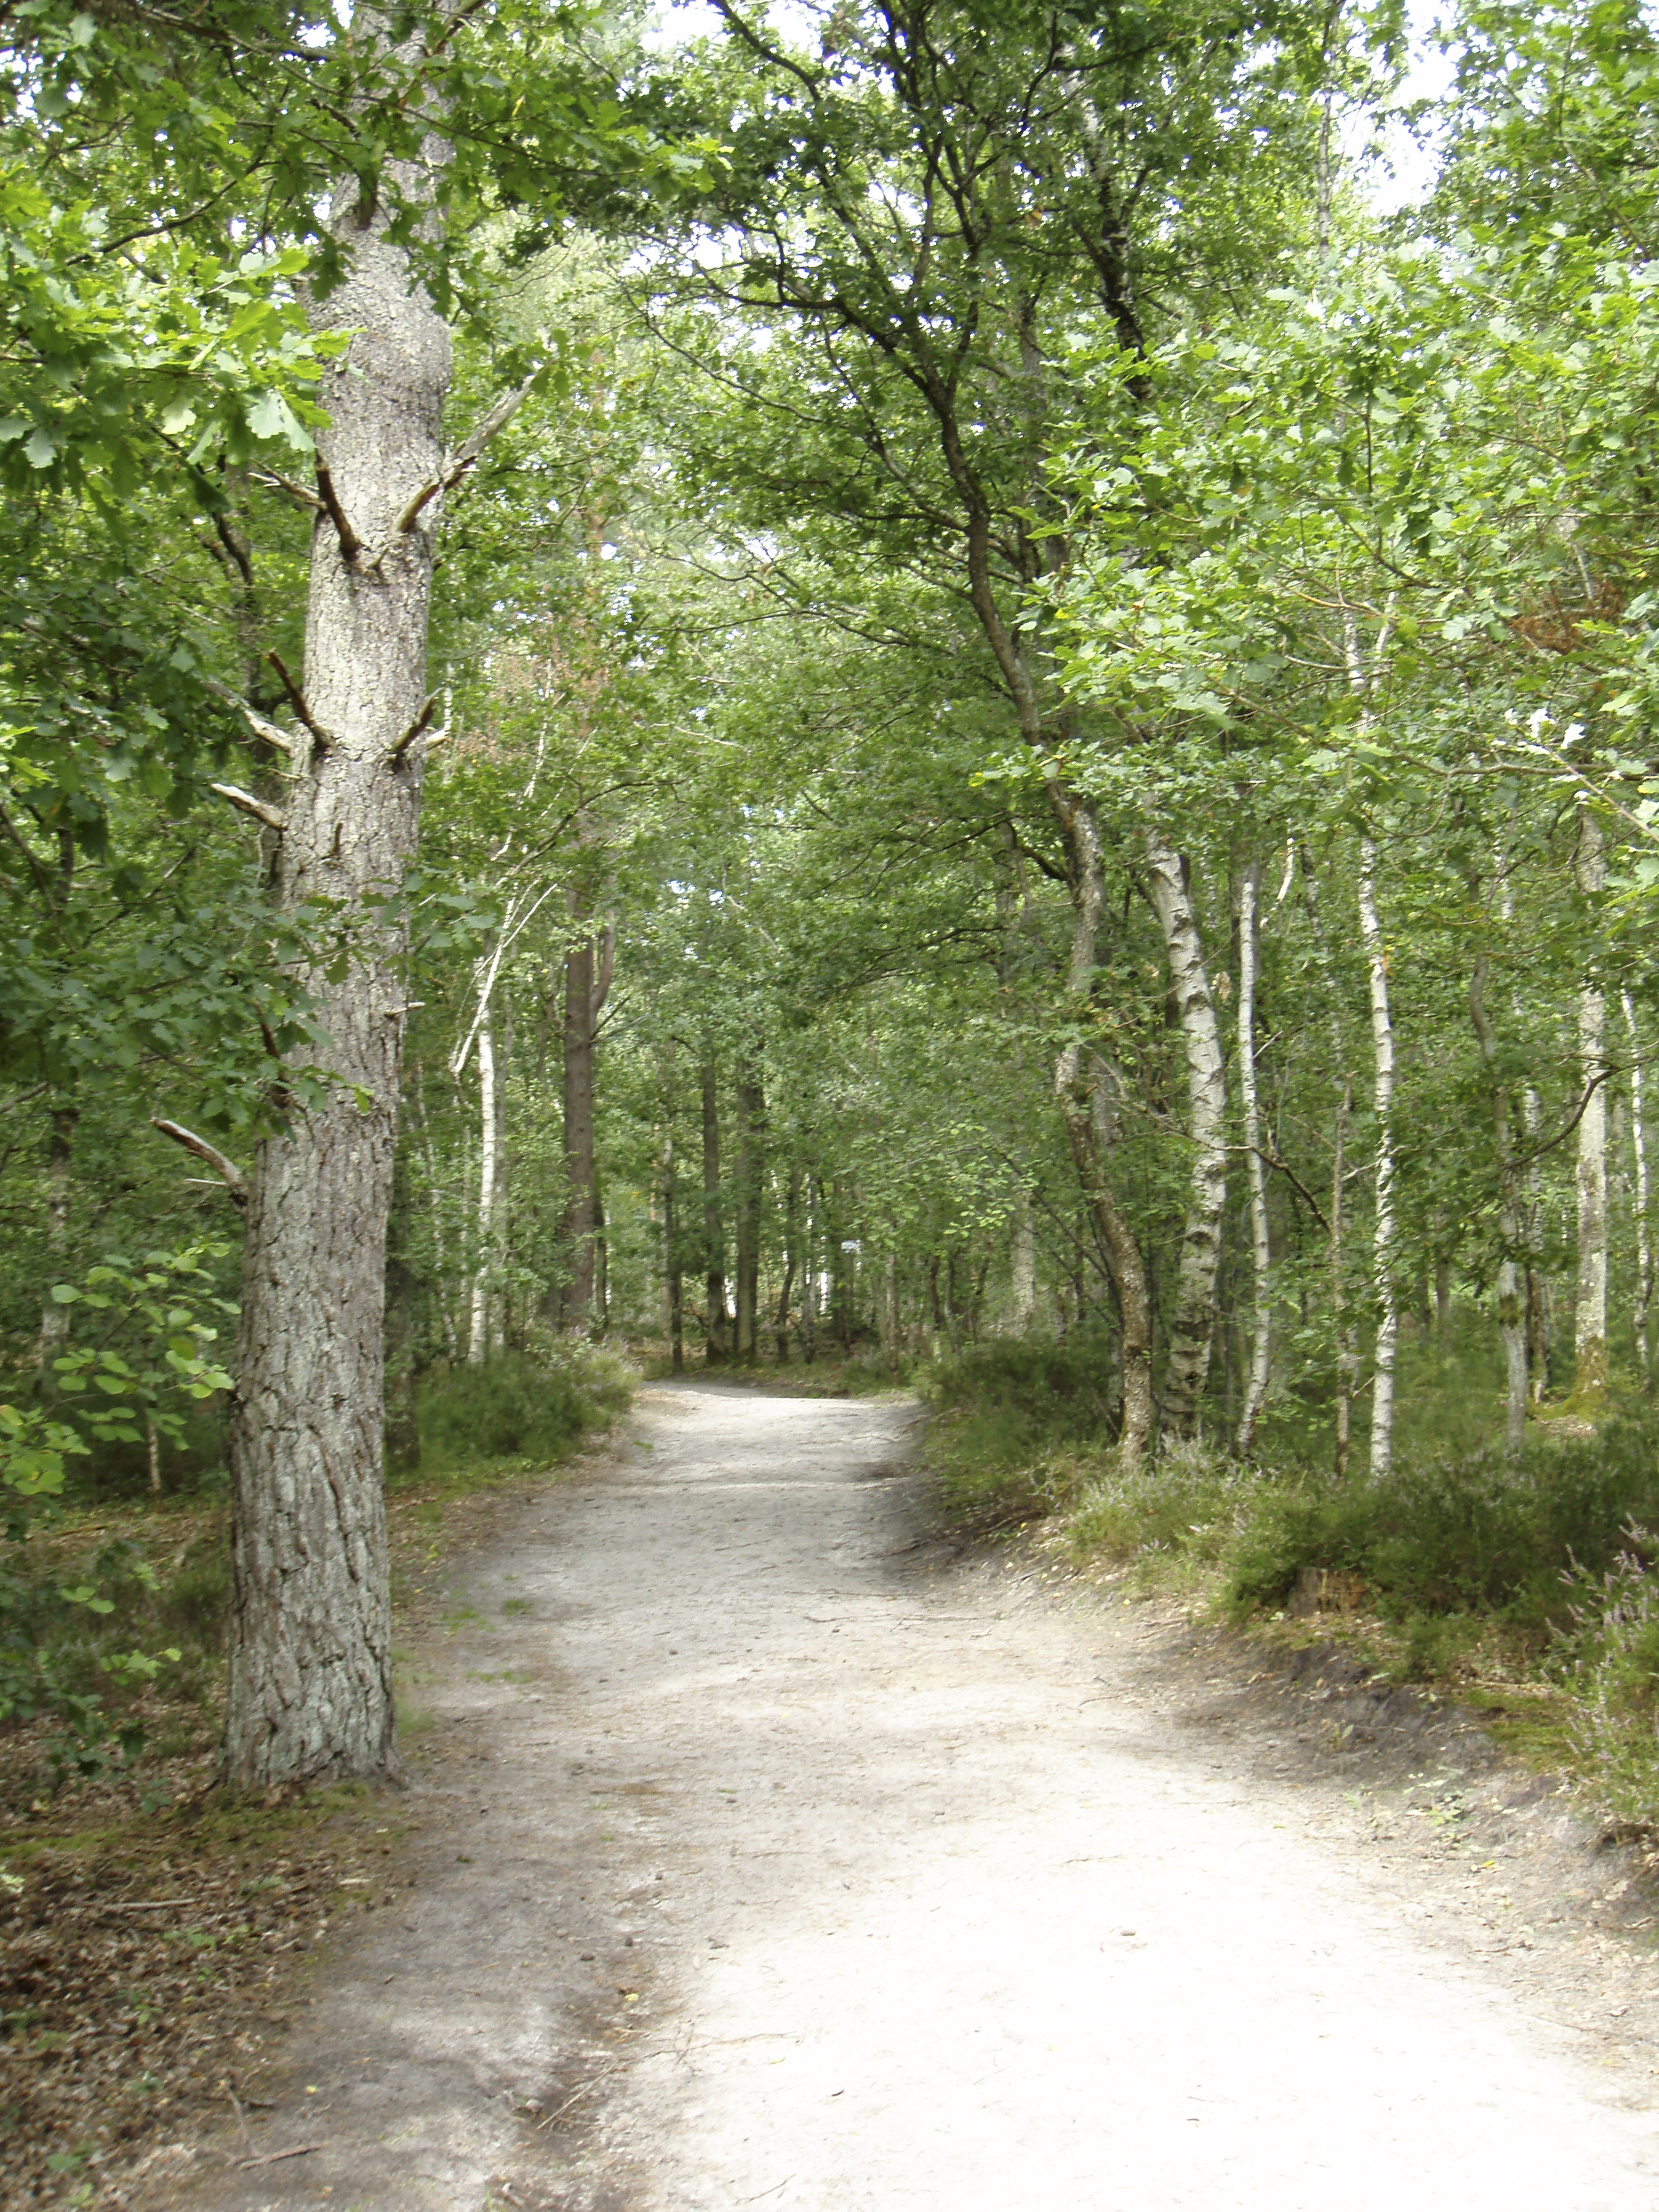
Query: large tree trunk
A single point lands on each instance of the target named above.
(1192, 1332)
(714, 1233)
(310, 1686)
(1589, 1329)
(1256, 1388)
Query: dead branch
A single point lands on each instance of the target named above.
(272, 816)
(465, 454)
(296, 699)
(272, 733)
(273, 480)
(414, 731)
(227, 1171)
(350, 545)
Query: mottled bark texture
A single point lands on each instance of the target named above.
(310, 1690)
(1256, 1388)
(1590, 1331)
(1383, 1241)
(587, 973)
(1192, 1331)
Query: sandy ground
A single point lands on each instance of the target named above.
(771, 1854)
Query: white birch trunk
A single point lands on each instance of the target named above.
(1590, 1331)
(310, 1677)
(1256, 1388)
(1382, 1250)
(1511, 1300)
(1639, 1161)
(477, 1343)
(1192, 1330)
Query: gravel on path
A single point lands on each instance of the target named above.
(770, 1853)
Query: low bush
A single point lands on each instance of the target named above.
(520, 1404)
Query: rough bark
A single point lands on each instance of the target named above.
(1256, 1386)
(715, 1338)
(1192, 1331)
(310, 1676)
(1589, 1323)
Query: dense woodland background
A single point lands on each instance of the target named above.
(1040, 736)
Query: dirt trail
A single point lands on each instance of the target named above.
(802, 1865)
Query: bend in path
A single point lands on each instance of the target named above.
(803, 1866)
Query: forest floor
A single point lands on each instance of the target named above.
(767, 1846)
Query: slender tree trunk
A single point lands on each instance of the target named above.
(1086, 1107)
(1256, 1388)
(1192, 1332)
(1021, 1264)
(477, 1343)
(890, 1311)
(673, 1272)
(1382, 1250)
(791, 1230)
(751, 1110)
(1347, 1351)
(310, 1677)
(1639, 1161)
(808, 1303)
(439, 1263)
(713, 1326)
(54, 1317)
(576, 1305)
(1511, 1303)
(1589, 1332)
(601, 1264)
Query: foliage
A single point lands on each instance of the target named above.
(520, 1405)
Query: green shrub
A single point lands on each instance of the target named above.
(518, 1405)
(1472, 1534)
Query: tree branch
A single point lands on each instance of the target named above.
(271, 817)
(296, 699)
(396, 753)
(350, 545)
(272, 733)
(227, 1170)
(466, 453)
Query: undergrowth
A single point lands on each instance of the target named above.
(1457, 1568)
(112, 1613)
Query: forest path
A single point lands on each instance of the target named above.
(773, 1856)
